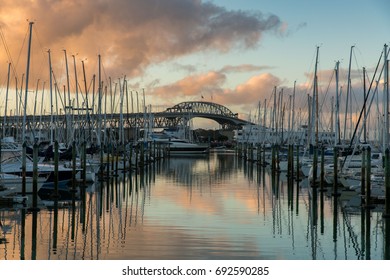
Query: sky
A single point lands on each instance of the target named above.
(230, 52)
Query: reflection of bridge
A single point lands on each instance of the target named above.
(175, 116)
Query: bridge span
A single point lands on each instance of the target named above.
(178, 115)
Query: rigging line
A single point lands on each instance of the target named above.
(323, 100)
(43, 52)
(20, 52)
(365, 100)
(7, 50)
(358, 68)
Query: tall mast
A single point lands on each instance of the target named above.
(337, 118)
(6, 101)
(27, 77)
(99, 102)
(314, 110)
(51, 98)
(293, 109)
(348, 98)
(364, 106)
(386, 101)
(68, 109)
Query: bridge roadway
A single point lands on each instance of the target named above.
(175, 116)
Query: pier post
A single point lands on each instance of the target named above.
(130, 156)
(363, 173)
(273, 160)
(335, 170)
(368, 178)
(315, 167)
(24, 155)
(112, 150)
(386, 214)
(264, 162)
(35, 177)
(289, 169)
(117, 160)
(136, 154)
(124, 159)
(322, 174)
(101, 153)
(292, 162)
(73, 165)
(56, 157)
(142, 159)
(298, 169)
(108, 156)
(84, 166)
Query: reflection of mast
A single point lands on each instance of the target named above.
(335, 226)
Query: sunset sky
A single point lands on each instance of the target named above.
(230, 52)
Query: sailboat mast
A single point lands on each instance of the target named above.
(364, 106)
(314, 110)
(337, 118)
(386, 101)
(293, 109)
(348, 97)
(27, 77)
(68, 109)
(6, 101)
(51, 98)
(99, 103)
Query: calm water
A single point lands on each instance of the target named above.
(217, 207)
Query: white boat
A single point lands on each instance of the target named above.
(184, 147)
(177, 146)
(12, 162)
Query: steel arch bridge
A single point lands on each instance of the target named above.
(185, 111)
(176, 116)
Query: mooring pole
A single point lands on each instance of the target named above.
(387, 184)
(335, 170)
(368, 177)
(24, 168)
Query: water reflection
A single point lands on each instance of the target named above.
(217, 207)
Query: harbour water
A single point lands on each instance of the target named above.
(217, 206)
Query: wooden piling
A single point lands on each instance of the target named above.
(101, 169)
(335, 170)
(322, 174)
(108, 155)
(386, 214)
(273, 159)
(315, 167)
(298, 166)
(84, 163)
(73, 165)
(35, 177)
(56, 158)
(289, 169)
(24, 155)
(292, 162)
(363, 173)
(368, 178)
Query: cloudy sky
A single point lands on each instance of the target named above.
(229, 52)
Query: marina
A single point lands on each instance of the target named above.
(101, 175)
